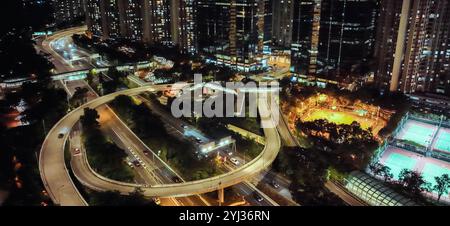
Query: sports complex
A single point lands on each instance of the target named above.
(339, 110)
(421, 145)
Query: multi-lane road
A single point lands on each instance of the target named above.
(89, 178)
(61, 63)
(62, 190)
(153, 173)
(184, 130)
(111, 124)
(152, 170)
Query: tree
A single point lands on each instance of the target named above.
(90, 77)
(122, 104)
(115, 74)
(114, 198)
(223, 74)
(387, 175)
(144, 119)
(413, 182)
(89, 119)
(18, 163)
(381, 170)
(79, 97)
(110, 86)
(442, 185)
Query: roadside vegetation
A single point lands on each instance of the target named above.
(346, 147)
(109, 82)
(216, 128)
(104, 156)
(44, 106)
(114, 198)
(21, 145)
(308, 171)
(178, 153)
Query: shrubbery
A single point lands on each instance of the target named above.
(104, 156)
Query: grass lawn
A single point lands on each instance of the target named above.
(337, 118)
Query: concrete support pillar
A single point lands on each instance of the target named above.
(221, 196)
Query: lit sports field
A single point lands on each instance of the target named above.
(442, 142)
(419, 132)
(338, 117)
(398, 159)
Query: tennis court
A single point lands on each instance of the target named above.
(418, 132)
(397, 161)
(432, 170)
(442, 142)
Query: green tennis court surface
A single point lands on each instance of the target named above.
(418, 133)
(397, 162)
(443, 141)
(430, 171)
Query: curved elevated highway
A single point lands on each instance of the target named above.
(59, 62)
(63, 192)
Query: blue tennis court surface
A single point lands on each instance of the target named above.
(443, 140)
(397, 162)
(430, 171)
(418, 132)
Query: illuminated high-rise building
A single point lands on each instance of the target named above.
(157, 21)
(332, 40)
(413, 46)
(131, 14)
(166, 22)
(305, 37)
(183, 25)
(95, 17)
(66, 11)
(103, 18)
(282, 22)
(235, 32)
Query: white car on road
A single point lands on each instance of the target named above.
(234, 161)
